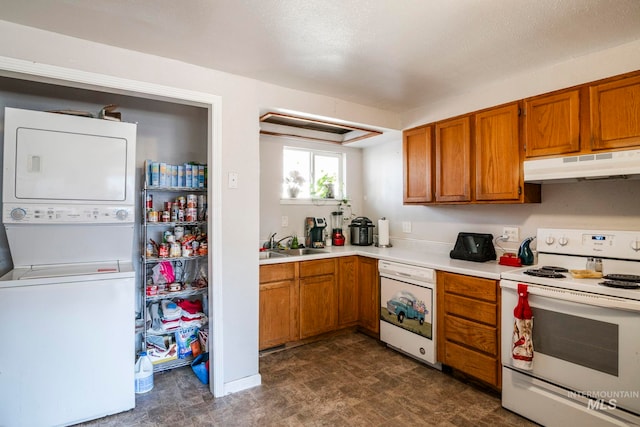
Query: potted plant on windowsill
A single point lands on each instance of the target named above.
(325, 187)
(294, 182)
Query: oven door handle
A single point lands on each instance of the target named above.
(578, 297)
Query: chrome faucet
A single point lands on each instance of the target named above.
(272, 241)
(278, 242)
(273, 244)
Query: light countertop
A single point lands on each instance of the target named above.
(430, 255)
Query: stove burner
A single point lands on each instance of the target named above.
(555, 269)
(620, 284)
(623, 277)
(543, 272)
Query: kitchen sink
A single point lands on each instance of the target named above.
(272, 254)
(280, 253)
(304, 251)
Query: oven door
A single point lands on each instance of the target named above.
(583, 343)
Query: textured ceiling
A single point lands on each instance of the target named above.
(390, 54)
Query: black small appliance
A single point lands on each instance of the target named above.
(361, 231)
(314, 232)
(477, 247)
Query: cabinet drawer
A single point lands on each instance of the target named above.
(481, 337)
(277, 272)
(475, 364)
(468, 308)
(317, 268)
(472, 287)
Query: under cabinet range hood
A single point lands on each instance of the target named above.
(593, 166)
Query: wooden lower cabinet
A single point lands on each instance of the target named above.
(303, 299)
(369, 296)
(318, 297)
(469, 326)
(348, 291)
(278, 305)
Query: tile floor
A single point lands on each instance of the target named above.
(347, 380)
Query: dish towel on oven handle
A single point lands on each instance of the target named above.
(522, 348)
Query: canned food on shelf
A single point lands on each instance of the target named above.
(152, 216)
(191, 214)
(163, 250)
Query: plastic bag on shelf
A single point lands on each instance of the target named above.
(195, 273)
(184, 338)
(163, 273)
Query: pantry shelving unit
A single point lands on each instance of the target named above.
(190, 271)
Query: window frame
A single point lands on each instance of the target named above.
(341, 181)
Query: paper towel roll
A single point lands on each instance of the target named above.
(383, 232)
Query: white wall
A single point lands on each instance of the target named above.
(609, 204)
(242, 100)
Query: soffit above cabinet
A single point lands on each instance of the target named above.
(290, 126)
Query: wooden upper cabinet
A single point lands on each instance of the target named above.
(417, 158)
(453, 160)
(615, 114)
(497, 153)
(552, 124)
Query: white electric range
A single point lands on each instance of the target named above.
(586, 365)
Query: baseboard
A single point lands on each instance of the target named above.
(242, 384)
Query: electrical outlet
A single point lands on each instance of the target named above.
(406, 226)
(285, 221)
(511, 233)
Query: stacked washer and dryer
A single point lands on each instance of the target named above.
(67, 308)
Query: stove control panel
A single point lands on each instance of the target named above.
(66, 214)
(602, 243)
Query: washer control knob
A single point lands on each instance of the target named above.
(635, 245)
(122, 214)
(563, 241)
(18, 214)
(549, 240)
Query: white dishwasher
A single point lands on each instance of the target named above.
(407, 310)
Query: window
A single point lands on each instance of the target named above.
(312, 174)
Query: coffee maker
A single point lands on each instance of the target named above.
(314, 232)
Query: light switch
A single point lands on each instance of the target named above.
(233, 179)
